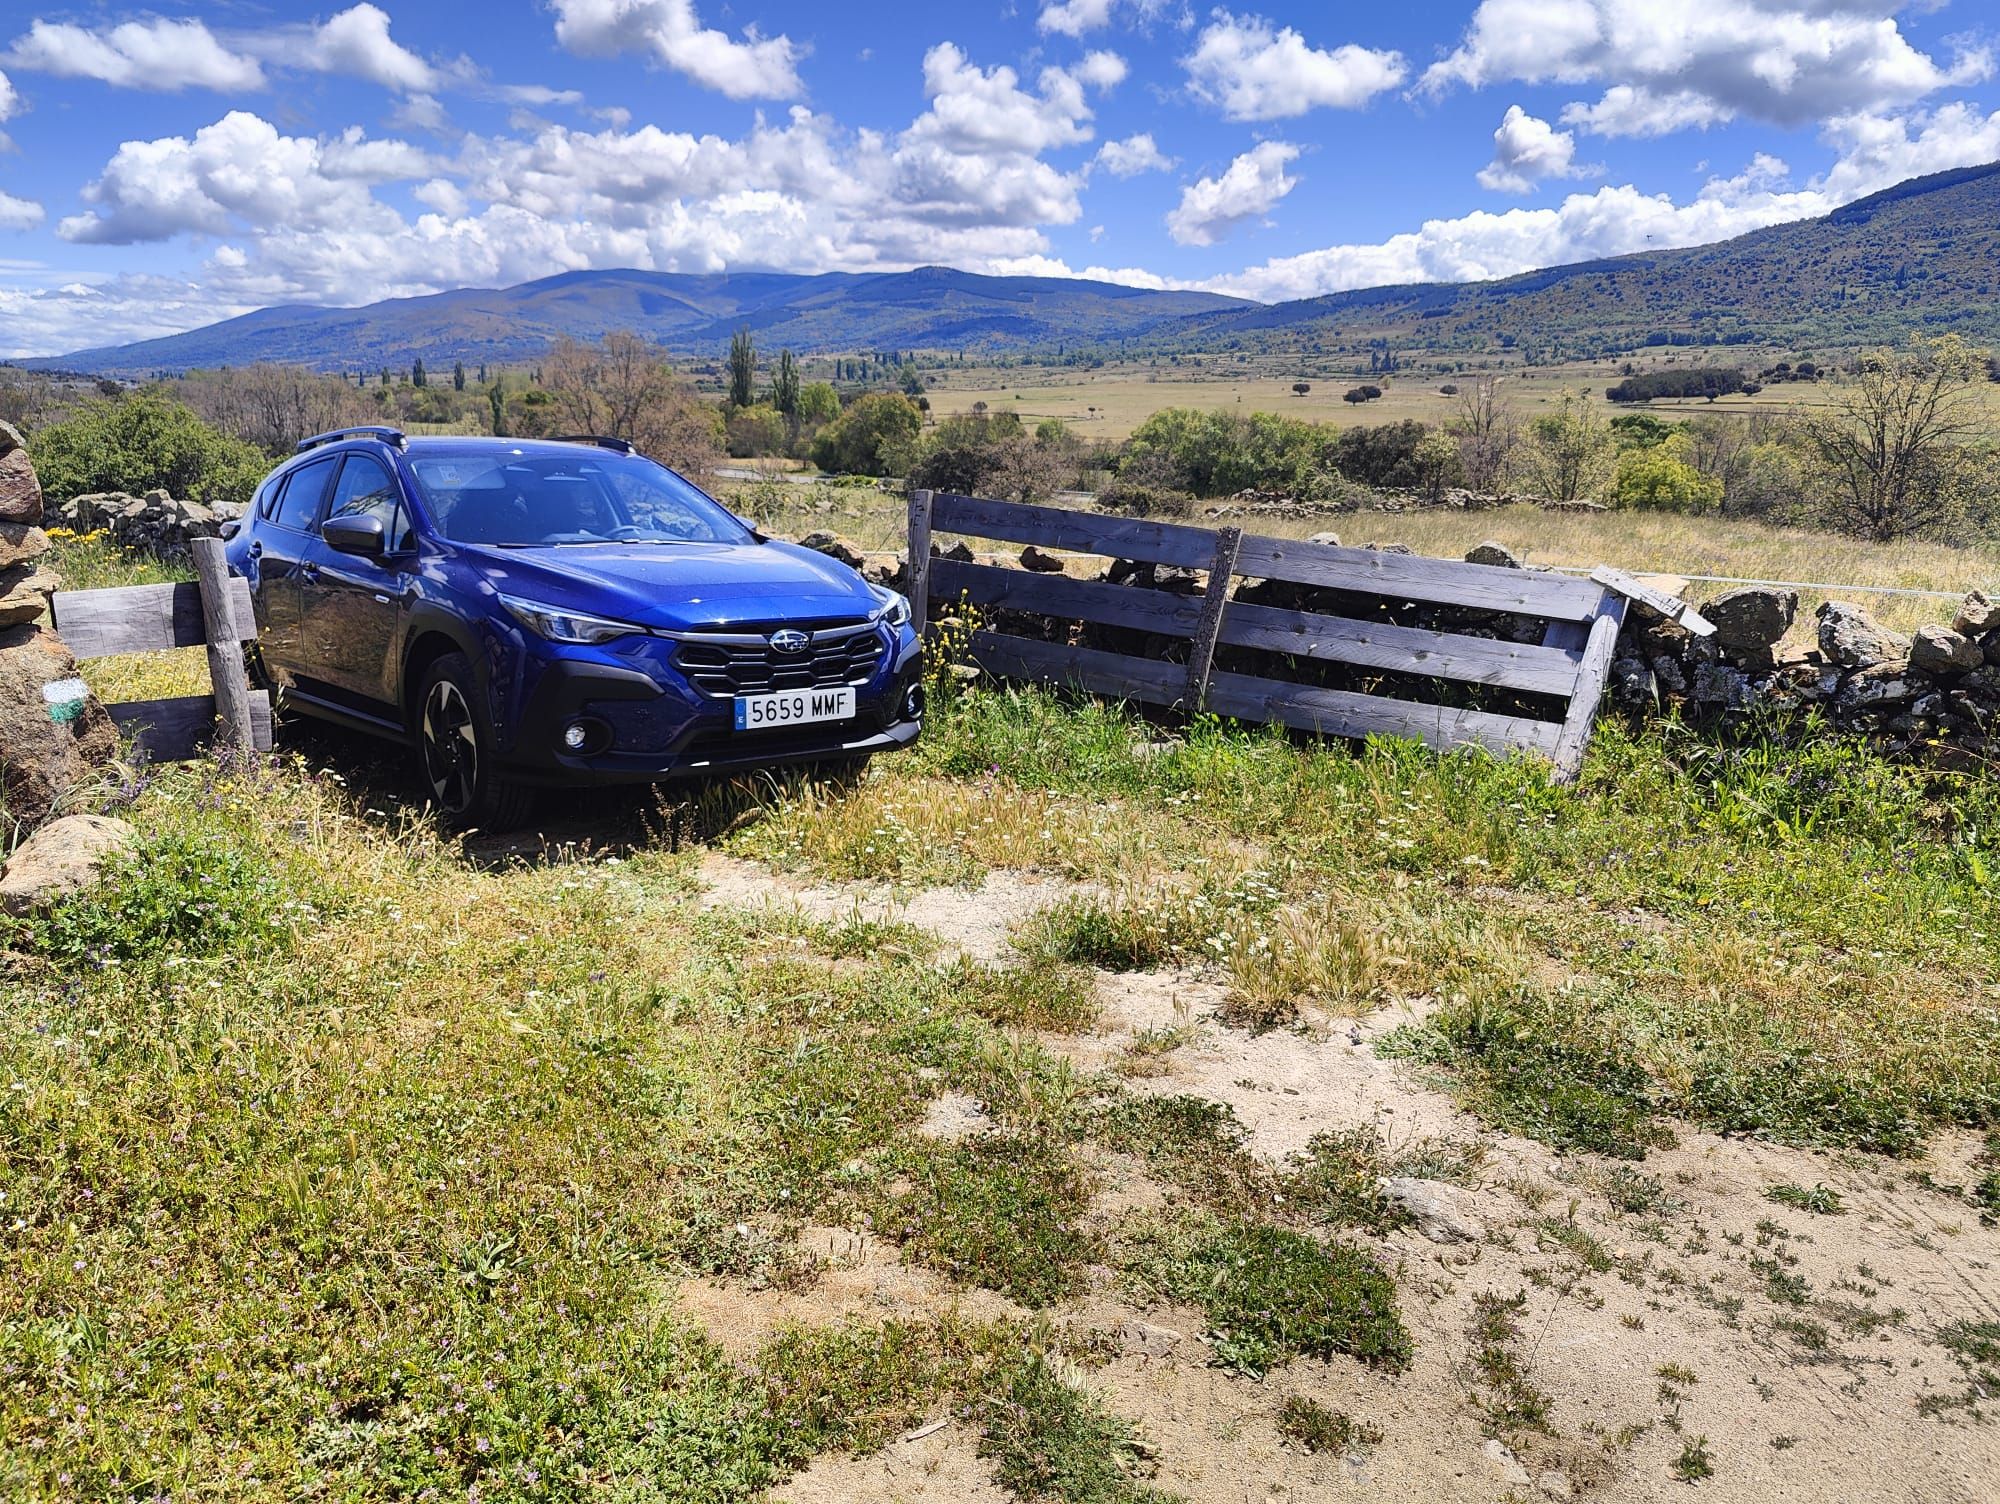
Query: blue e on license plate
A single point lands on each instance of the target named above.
(793, 707)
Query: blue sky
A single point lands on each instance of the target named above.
(160, 169)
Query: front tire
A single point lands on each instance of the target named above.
(455, 752)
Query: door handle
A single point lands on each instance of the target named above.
(309, 574)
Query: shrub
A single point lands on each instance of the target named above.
(1219, 453)
(756, 431)
(141, 442)
(873, 437)
(1656, 479)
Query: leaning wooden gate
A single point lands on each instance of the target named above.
(1569, 665)
(214, 609)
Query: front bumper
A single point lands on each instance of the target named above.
(648, 724)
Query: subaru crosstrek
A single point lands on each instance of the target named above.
(559, 612)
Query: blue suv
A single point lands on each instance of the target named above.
(559, 612)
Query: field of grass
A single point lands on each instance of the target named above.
(1110, 402)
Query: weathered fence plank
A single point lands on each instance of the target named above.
(1406, 577)
(916, 579)
(1201, 655)
(144, 618)
(177, 729)
(1590, 677)
(1080, 532)
(1344, 712)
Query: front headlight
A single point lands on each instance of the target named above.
(558, 625)
(895, 609)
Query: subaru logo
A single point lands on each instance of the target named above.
(790, 641)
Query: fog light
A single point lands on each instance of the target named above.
(913, 703)
(575, 734)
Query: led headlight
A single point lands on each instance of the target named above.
(895, 609)
(558, 625)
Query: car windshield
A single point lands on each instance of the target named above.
(528, 500)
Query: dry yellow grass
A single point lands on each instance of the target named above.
(1666, 543)
(1109, 403)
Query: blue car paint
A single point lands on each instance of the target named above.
(364, 674)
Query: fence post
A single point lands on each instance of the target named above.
(1591, 674)
(225, 648)
(918, 576)
(1201, 654)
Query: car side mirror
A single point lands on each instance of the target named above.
(363, 536)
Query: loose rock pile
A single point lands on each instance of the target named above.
(40, 756)
(1940, 686)
(155, 521)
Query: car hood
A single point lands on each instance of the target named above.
(680, 586)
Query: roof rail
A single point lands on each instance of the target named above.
(380, 431)
(601, 440)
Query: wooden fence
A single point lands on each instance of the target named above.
(1568, 666)
(214, 610)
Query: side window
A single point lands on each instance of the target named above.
(298, 507)
(367, 490)
(268, 502)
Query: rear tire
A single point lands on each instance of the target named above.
(455, 752)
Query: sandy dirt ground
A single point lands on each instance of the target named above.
(1803, 1392)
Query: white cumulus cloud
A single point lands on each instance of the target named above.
(1132, 156)
(19, 213)
(237, 172)
(1247, 189)
(1670, 63)
(670, 32)
(357, 42)
(152, 54)
(1256, 73)
(1527, 150)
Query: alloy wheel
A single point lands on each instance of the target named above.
(451, 748)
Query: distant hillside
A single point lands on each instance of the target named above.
(1922, 255)
(931, 308)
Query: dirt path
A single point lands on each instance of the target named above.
(1669, 1302)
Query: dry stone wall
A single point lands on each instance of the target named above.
(49, 740)
(155, 521)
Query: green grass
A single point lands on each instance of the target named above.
(1820, 1199)
(1048, 1439)
(1501, 1388)
(1002, 1212)
(1308, 1424)
(1270, 1294)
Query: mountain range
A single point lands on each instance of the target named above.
(1924, 254)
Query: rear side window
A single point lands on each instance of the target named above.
(298, 506)
(366, 489)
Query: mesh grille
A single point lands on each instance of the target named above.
(720, 670)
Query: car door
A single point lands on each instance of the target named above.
(282, 535)
(351, 608)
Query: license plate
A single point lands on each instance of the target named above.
(793, 707)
